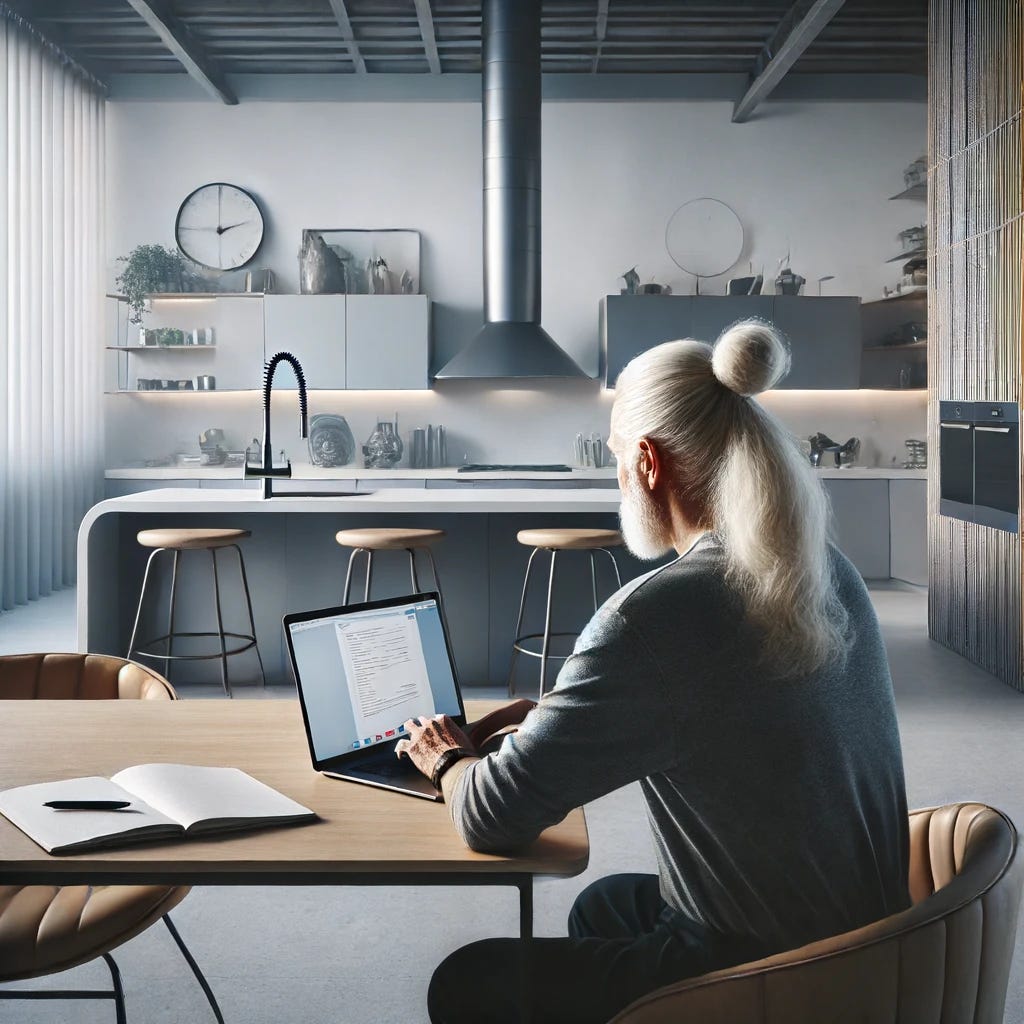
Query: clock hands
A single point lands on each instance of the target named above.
(219, 230)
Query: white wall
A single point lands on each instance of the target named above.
(809, 177)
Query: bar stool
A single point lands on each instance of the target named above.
(555, 541)
(371, 539)
(178, 541)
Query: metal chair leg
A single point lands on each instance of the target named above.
(593, 579)
(615, 566)
(412, 570)
(433, 569)
(142, 597)
(115, 977)
(220, 625)
(519, 625)
(170, 612)
(547, 626)
(369, 575)
(248, 604)
(348, 574)
(190, 960)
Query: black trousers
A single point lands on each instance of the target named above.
(623, 942)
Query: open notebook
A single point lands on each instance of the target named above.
(167, 800)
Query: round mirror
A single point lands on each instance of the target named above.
(704, 237)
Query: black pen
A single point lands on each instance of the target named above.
(88, 805)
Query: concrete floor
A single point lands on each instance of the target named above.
(346, 956)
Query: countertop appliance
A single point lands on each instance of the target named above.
(979, 463)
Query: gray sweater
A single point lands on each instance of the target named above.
(777, 806)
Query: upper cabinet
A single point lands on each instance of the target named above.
(387, 342)
(825, 339)
(824, 332)
(312, 328)
(351, 341)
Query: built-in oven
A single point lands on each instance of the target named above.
(979, 463)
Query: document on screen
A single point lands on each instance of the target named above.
(385, 671)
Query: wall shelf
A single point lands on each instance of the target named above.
(918, 346)
(156, 348)
(910, 254)
(191, 295)
(918, 192)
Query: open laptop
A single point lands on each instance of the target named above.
(362, 671)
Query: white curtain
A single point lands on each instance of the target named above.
(51, 281)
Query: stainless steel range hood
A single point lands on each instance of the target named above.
(512, 342)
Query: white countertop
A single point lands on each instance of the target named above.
(412, 500)
(305, 471)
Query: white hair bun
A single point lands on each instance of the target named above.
(749, 357)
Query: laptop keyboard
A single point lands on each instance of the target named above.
(389, 768)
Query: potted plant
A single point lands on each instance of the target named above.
(150, 268)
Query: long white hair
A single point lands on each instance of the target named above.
(745, 474)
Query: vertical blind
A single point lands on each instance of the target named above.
(51, 280)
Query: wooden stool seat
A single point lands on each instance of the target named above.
(387, 538)
(191, 539)
(570, 539)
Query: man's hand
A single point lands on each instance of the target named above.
(429, 738)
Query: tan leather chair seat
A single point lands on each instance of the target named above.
(49, 928)
(387, 538)
(79, 677)
(190, 539)
(945, 960)
(570, 539)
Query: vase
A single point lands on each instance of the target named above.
(383, 448)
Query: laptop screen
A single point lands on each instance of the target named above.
(362, 673)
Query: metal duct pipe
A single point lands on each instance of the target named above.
(512, 342)
(511, 128)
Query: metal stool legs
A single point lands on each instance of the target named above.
(547, 635)
(413, 576)
(138, 649)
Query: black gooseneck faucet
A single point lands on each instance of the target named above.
(267, 471)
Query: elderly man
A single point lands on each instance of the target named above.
(745, 686)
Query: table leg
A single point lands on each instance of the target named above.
(525, 946)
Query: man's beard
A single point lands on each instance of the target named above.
(643, 524)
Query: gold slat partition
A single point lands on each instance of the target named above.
(976, 247)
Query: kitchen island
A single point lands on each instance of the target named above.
(294, 563)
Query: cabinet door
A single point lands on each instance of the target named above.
(312, 328)
(825, 336)
(713, 313)
(860, 523)
(388, 342)
(908, 527)
(631, 324)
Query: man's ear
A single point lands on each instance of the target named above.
(649, 465)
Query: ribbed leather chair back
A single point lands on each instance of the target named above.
(946, 960)
(79, 677)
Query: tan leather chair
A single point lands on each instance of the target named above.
(946, 959)
(45, 929)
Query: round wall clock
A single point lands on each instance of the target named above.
(219, 226)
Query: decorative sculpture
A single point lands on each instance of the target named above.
(632, 279)
(321, 271)
(330, 440)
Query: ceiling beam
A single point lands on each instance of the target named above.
(797, 30)
(177, 38)
(426, 20)
(600, 31)
(345, 24)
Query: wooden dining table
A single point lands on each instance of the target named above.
(362, 836)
